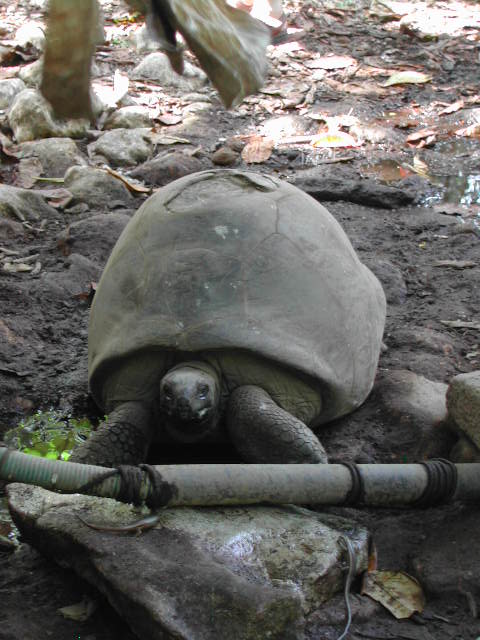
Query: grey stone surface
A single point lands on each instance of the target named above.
(75, 279)
(30, 117)
(392, 281)
(122, 147)
(463, 403)
(166, 167)
(448, 560)
(416, 407)
(96, 187)
(8, 90)
(56, 155)
(31, 74)
(156, 68)
(31, 32)
(132, 117)
(23, 205)
(201, 574)
(93, 237)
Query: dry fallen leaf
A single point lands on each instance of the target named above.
(452, 108)
(331, 62)
(257, 150)
(419, 135)
(398, 592)
(407, 77)
(333, 140)
(131, 186)
(469, 132)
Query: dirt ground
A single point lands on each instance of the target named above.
(398, 166)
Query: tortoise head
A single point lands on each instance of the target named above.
(189, 401)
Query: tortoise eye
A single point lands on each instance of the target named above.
(202, 391)
(167, 392)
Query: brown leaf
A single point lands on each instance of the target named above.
(398, 592)
(331, 62)
(131, 186)
(452, 108)
(420, 135)
(258, 150)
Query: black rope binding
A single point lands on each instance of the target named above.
(356, 494)
(441, 484)
(160, 491)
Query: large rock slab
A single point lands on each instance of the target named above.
(201, 574)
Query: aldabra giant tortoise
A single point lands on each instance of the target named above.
(230, 295)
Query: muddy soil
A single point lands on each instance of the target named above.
(363, 181)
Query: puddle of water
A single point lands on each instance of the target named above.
(457, 189)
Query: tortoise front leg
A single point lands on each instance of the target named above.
(123, 438)
(264, 432)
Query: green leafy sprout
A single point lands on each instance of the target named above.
(48, 434)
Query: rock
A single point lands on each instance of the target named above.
(132, 117)
(391, 279)
(10, 229)
(463, 403)
(56, 155)
(448, 560)
(244, 573)
(464, 451)
(31, 33)
(424, 339)
(197, 107)
(225, 157)
(74, 280)
(366, 191)
(30, 117)
(23, 205)
(31, 74)
(143, 41)
(93, 237)
(416, 409)
(122, 147)
(156, 68)
(167, 167)
(96, 187)
(8, 90)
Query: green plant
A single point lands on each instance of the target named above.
(48, 434)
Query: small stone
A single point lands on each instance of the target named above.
(416, 408)
(122, 147)
(56, 155)
(30, 118)
(95, 187)
(8, 90)
(23, 205)
(167, 167)
(463, 404)
(156, 68)
(31, 74)
(225, 157)
(31, 33)
(132, 117)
